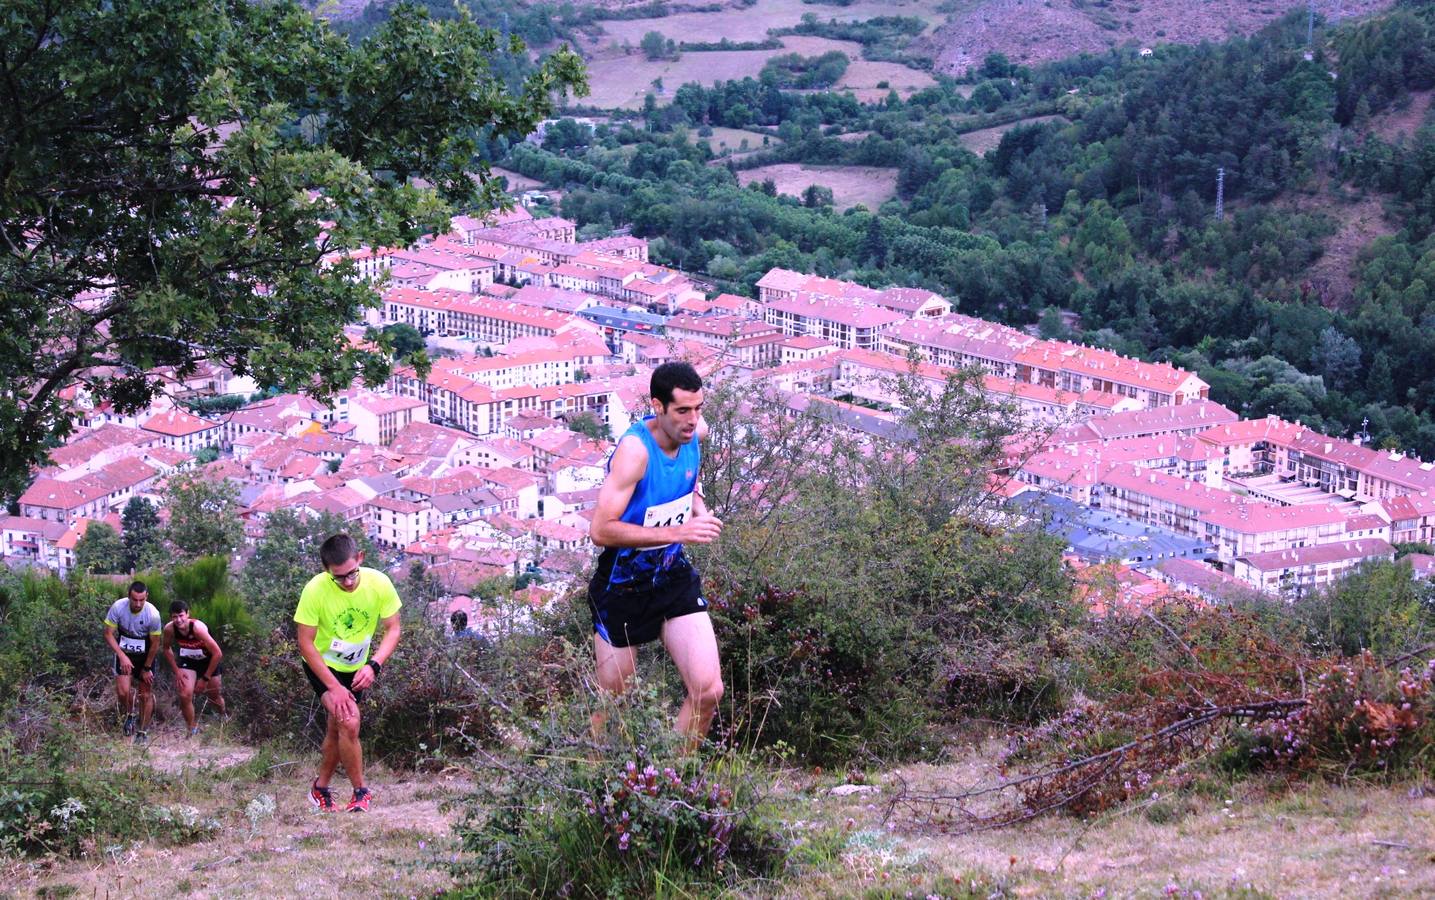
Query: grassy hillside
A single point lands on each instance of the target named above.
(1231, 840)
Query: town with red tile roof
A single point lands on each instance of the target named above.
(477, 467)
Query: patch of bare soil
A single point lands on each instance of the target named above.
(979, 142)
(516, 182)
(1036, 31)
(1401, 124)
(1360, 219)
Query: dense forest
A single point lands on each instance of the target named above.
(1104, 205)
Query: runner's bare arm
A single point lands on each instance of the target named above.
(211, 647)
(343, 700)
(151, 652)
(630, 462)
(169, 655)
(156, 638)
(115, 646)
(312, 659)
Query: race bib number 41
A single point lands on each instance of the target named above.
(346, 653)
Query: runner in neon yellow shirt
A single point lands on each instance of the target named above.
(339, 612)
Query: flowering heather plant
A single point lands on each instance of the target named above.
(1359, 716)
(565, 812)
(650, 816)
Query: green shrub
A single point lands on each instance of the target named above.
(427, 696)
(625, 815)
(51, 630)
(62, 794)
(830, 675)
(859, 594)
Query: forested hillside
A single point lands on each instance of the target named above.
(1105, 206)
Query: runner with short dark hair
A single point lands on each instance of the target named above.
(194, 657)
(645, 588)
(338, 614)
(132, 629)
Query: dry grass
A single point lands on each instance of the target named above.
(1317, 841)
(620, 80)
(1035, 31)
(979, 142)
(751, 24)
(863, 76)
(516, 182)
(870, 186)
(1395, 125)
(725, 140)
(297, 852)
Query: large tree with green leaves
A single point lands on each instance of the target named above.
(143, 537)
(100, 550)
(172, 174)
(203, 516)
(287, 557)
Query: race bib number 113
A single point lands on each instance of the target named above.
(674, 512)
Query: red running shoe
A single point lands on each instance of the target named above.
(360, 802)
(322, 799)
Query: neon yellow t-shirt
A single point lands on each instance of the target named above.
(346, 621)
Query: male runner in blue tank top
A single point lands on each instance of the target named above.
(645, 587)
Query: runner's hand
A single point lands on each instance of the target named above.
(700, 529)
(340, 702)
(362, 678)
(126, 667)
(147, 676)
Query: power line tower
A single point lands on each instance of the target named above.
(1220, 193)
(1310, 25)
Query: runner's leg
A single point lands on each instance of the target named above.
(616, 665)
(615, 668)
(124, 693)
(146, 698)
(693, 647)
(184, 686)
(213, 691)
(329, 755)
(343, 738)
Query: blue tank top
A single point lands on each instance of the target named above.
(658, 499)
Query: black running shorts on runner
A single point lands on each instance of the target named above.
(627, 617)
(136, 660)
(345, 678)
(200, 666)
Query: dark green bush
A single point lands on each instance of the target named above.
(629, 814)
(860, 594)
(431, 691)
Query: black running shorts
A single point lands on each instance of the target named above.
(627, 617)
(345, 678)
(136, 660)
(200, 665)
